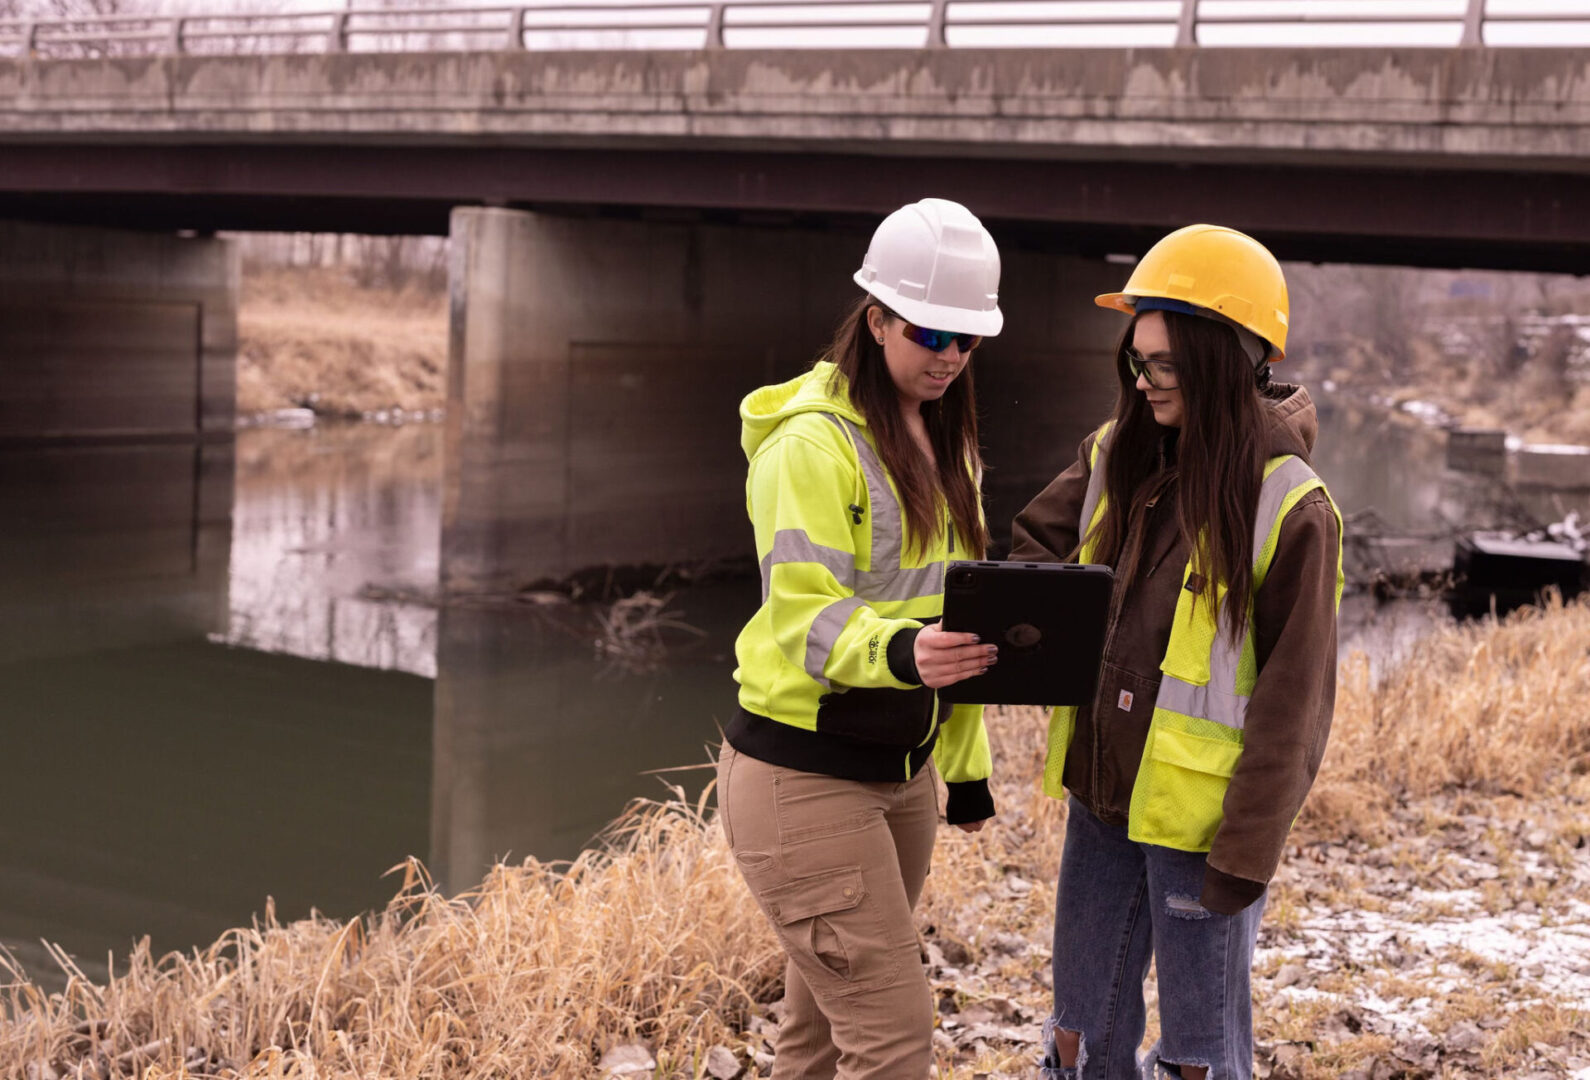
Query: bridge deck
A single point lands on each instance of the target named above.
(1434, 156)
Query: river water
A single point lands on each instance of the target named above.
(198, 717)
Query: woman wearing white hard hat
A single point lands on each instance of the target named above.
(862, 483)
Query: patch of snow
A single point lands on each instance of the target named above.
(1555, 448)
(1395, 1016)
(1553, 958)
(284, 418)
(1428, 411)
(1455, 901)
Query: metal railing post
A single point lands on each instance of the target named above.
(1187, 24)
(935, 27)
(715, 26)
(337, 38)
(176, 35)
(1473, 25)
(516, 30)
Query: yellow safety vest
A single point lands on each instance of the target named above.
(1195, 735)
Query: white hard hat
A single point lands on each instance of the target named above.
(935, 266)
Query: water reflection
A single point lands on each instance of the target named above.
(158, 780)
(111, 545)
(335, 541)
(539, 743)
(209, 703)
(1375, 460)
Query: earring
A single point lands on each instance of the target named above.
(880, 341)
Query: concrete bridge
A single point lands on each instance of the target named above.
(1470, 156)
(642, 235)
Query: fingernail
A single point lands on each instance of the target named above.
(976, 640)
(982, 671)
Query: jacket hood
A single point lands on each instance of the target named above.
(765, 408)
(1293, 421)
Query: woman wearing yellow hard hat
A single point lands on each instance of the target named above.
(1214, 700)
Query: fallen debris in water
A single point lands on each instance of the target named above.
(1499, 572)
(632, 629)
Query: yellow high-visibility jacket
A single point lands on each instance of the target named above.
(827, 679)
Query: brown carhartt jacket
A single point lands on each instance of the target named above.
(1294, 615)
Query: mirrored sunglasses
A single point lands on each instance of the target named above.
(939, 340)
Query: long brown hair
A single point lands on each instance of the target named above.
(951, 427)
(1220, 455)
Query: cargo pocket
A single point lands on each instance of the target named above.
(833, 932)
(1179, 798)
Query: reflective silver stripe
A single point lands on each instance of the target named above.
(905, 584)
(1095, 492)
(1222, 707)
(794, 546)
(1277, 486)
(885, 580)
(1224, 657)
(1219, 702)
(824, 632)
(888, 534)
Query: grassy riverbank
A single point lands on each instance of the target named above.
(1429, 921)
(316, 338)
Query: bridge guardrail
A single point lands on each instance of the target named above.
(713, 24)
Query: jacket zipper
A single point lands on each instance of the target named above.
(1161, 561)
(933, 722)
(1116, 606)
(1115, 621)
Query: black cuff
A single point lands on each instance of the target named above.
(1227, 895)
(902, 655)
(969, 801)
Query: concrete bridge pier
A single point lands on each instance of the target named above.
(110, 334)
(596, 368)
(116, 413)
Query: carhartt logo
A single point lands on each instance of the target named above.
(1124, 702)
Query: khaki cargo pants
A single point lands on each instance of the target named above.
(837, 866)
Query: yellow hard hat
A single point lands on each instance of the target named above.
(1219, 269)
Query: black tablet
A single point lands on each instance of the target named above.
(1048, 620)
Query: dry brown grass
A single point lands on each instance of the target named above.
(1486, 705)
(654, 938)
(314, 337)
(534, 973)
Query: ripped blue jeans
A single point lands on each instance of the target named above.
(1120, 904)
